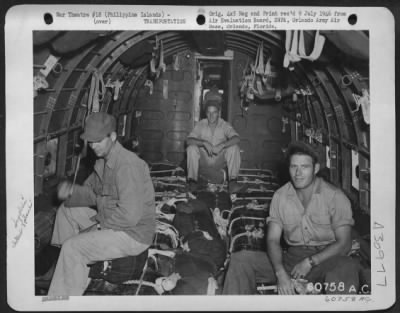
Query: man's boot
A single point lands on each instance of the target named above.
(192, 185)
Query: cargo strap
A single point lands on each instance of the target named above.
(161, 65)
(363, 102)
(149, 83)
(212, 286)
(291, 46)
(39, 83)
(220, 222)
(260, 59)
(116, 86)
(97, 91)
(257, 233)
(169, 230)
(295, 48)
(318, 46)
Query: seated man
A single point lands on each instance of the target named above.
(315, 218)
(123, 225)
(213, 142)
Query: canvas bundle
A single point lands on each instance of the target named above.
(119, 270)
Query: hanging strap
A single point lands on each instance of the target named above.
(260, 60)
(245, 78)
(319, 42)
(39, 82)
(259, 88)
(365, 105)
(246, 66)
(97, 91)
(153, 64)
(176, 62)
(288, 39)
(267, 76)
(363, 102)
(256, 60)
(212, 286)
(161, 65)
(117, 87)
(149, 83)
(302, 49)
(294, 57)
(318, 46)
(291, 45)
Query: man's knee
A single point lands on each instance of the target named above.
(347, 264)
(192, 150)
(232, 154)
(243, 256)
(345, 269)
(69, 245)
(62, 209)
(75, 245)
(233, 149)
(344, 275)
(257, 260)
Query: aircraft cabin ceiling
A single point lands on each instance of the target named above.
(321, 94)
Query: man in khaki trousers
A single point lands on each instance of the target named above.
(123, 221)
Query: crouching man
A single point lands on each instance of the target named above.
(316, 220)
(123, 223)
(213, 142)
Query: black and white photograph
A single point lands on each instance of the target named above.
(218, 154)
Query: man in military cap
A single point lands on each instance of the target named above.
(214, 143)
(123, 224)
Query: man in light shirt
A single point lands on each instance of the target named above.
(123, 221)
(315, 219)
(213, 142)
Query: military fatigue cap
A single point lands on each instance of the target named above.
(212, 103)
(300, 147)
(98, 126)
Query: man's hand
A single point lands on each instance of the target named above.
(300, 270)
(208, 147)
(64, 190)
(285, 284)
(218, 148)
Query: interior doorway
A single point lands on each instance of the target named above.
(216, 78)
(214, 73)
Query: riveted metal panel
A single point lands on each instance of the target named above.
(177, 135)
(244, 145)
(239, 123)
(274, 125)
(175, 157)
(152, 156)
(152, 134)
(178, 95)
(179, 116)
(152, 115)
(259, 128)
(38, 120)
(165, 122)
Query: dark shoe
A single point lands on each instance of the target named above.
(192, 185)
(48, 275)
(235, 187)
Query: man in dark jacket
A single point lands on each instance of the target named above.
(123, 223)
